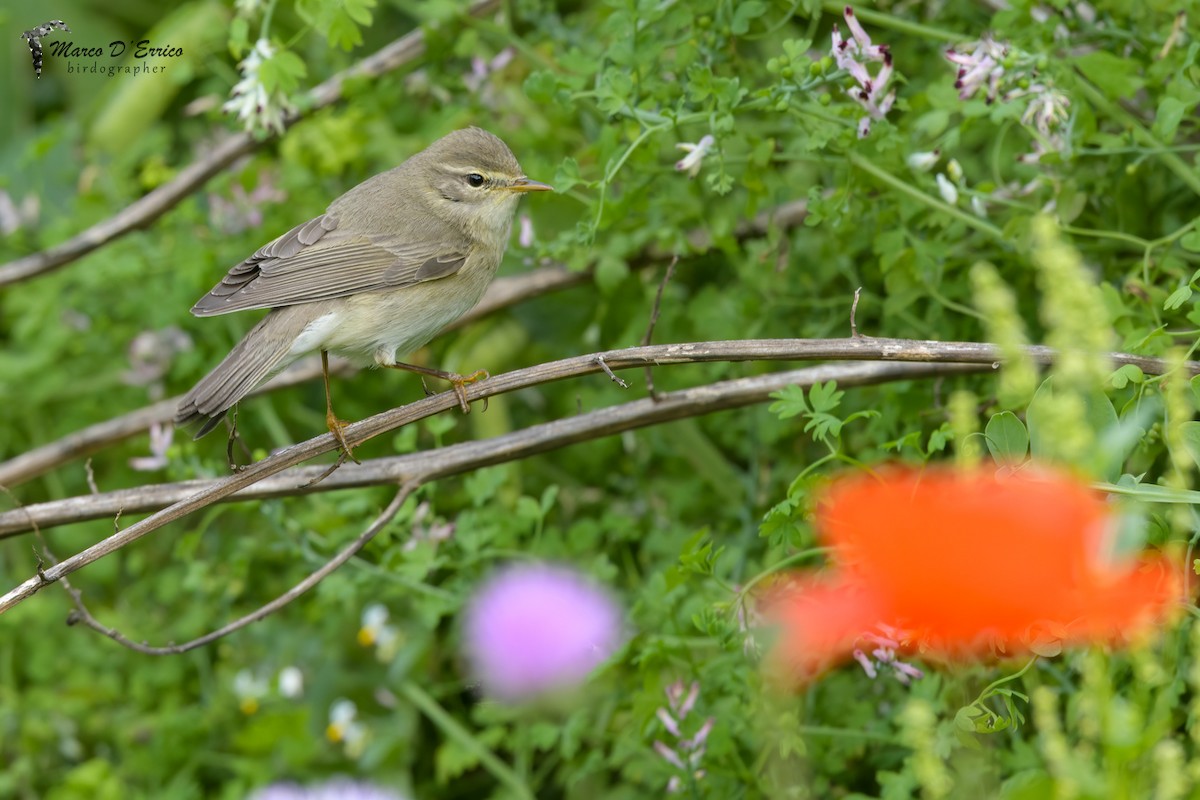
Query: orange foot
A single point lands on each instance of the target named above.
(337, 427)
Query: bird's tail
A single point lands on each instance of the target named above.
(261, 352)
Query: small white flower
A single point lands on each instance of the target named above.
(376, 632)
(14, 217)
(947, 189)
(954, 170)
(695, 154)
(979, 206)
(344, 728)
(250, 101)
(923, 162)
(160, 441)
(249, 689)
(525, 237)
(291, 682)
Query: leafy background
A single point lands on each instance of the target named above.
(676, 518)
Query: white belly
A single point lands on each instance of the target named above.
(379, 328)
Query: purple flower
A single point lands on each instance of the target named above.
(534, 628)
(336, 789)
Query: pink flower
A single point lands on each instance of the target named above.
(853, 55)
(538, 628)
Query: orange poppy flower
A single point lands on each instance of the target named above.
(966, 560)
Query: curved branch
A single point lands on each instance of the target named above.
(862, 348)
(229, 149)
(503, 292)
(466, 456)
(81, 616)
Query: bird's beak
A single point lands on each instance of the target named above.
(524, 184)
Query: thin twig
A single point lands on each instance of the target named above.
(854, 334)
(81, 615)
(658, 296)
(229, 149)
(599, 359)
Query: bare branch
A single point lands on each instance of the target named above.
(81, 615)
(876, 349)
(460, 458)
(229, 149)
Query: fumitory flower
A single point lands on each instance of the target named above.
(687, 754)
(536, 628)
(853, 55)
(992, 64)
(253, 104)
(695, 154)
(965, 561)
(982, 66)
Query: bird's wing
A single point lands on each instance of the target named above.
(319, 261)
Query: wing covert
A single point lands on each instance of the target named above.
(317, 260)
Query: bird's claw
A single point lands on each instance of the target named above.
(337, 428)
(460, 386)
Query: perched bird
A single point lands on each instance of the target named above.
(388, 265)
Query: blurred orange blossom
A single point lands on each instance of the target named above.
(964, 561)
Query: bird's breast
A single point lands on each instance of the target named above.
(381, 327)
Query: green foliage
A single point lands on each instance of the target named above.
(1091, 246)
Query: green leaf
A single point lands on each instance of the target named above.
(1170, 114)
(1178, 297)
(746, 11)
(567, 175)
(282, 72)
(610, 271)
(939, 438)
(541, 86)
(964, 720)
(1127, 374)
(1191, 439)
(239, 36)
(825, 396)
(789, 402)
(1007, 439)
(1115, 75)
(615, 90)
(340, 20)
(1191, 242)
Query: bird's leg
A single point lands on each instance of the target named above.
(334, 424)
(458, 381)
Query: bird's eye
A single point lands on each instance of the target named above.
(475, 179)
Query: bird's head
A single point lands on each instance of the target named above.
(474, 180)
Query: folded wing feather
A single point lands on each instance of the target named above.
(319, 261)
